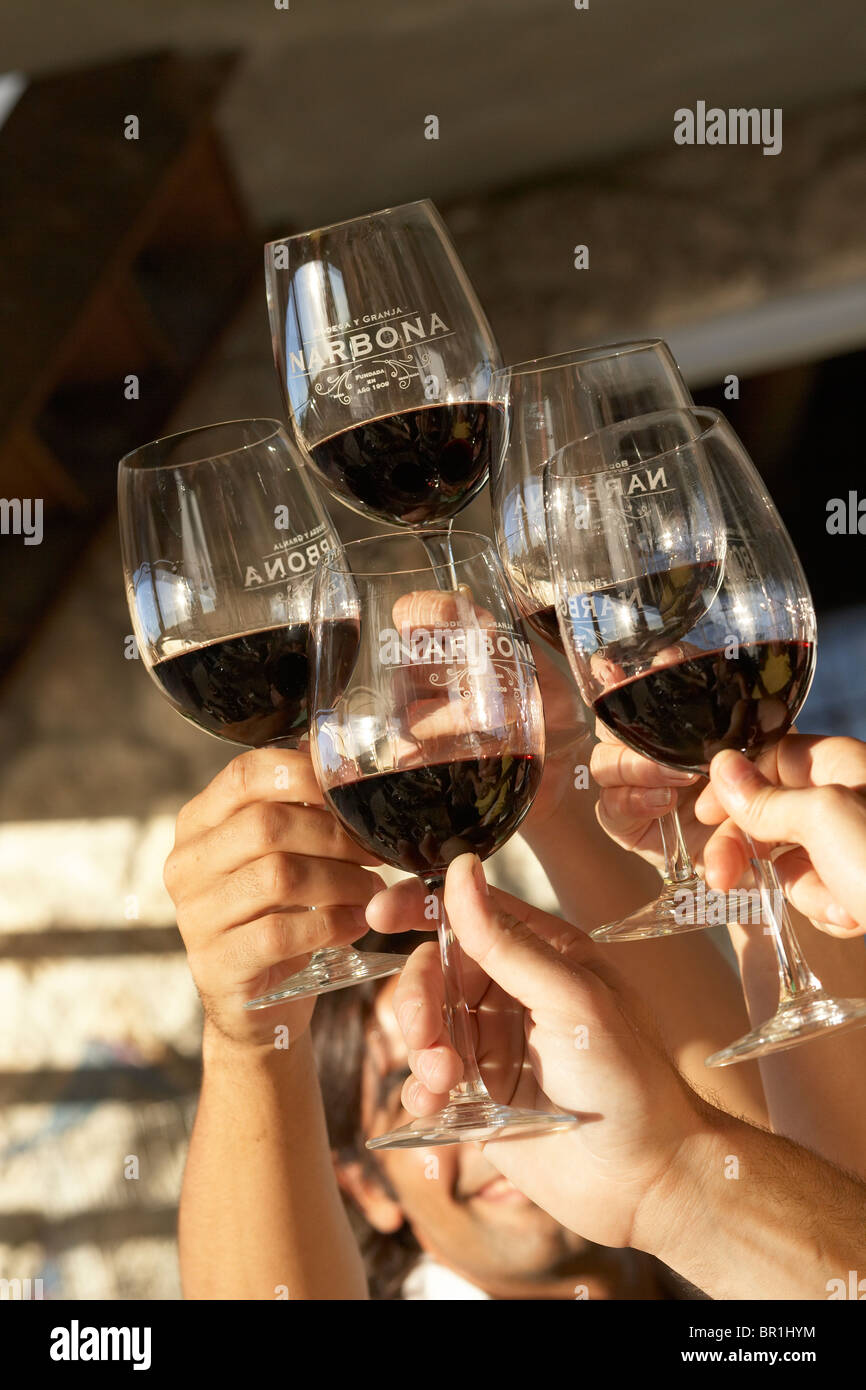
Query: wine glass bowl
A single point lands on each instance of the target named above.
(544, 404)
(221, 533)
(431, 747)
(687, 614)
(384, 357)
(729, 671)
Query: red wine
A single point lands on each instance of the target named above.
(253, 688)
(421, 465)
(685, 713)
(421, 818)
(643, 614)
(544, 622)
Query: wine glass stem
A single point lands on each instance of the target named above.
(440, 552)
(795, 977)
(456, 1009)
(678, 862)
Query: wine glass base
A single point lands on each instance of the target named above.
(671, 914)
(322, 978)
(795, 1022)
(469, 1120)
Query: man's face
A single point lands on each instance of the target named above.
(462, 1211)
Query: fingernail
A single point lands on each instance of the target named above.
(407, 1013)
(478, 875)
(413, 1094)
(423, 1066)
(681, 779)
(659, 796)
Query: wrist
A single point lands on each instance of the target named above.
(742, 1213)
(679, 1218)
(223, 1053)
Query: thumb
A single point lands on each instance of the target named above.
(776, 815)
(526, 966)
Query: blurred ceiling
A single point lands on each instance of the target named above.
(325, 117)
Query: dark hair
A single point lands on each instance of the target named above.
(339, 1041)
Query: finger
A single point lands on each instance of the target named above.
(528, 967)
(276, 883)
(625, 812)
(262, 828)
(799, 761)
(614, 765)
(708, 809)
(436, 724)
(262, 774)
(562, 936)
(419, 1001)
(803, 886)
(829, 822)
(420, 1101)
(400, 908)
(438, 1068)
(428, 608)
(726, 857)
(284, 936)
(804, 760)
(773, 814)
(419, 998)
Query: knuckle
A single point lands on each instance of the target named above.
(830, 802)
(266, 824)
(173, 876)
(279, 875)
(275, 937)
(322, 928)
(169, 873)
(599, 758)
(237, 773)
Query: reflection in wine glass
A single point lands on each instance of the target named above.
(384, 357)
(221, 533)
(544, 404)
(432, 748)
(736, 679)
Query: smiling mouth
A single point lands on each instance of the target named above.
(500, 1190)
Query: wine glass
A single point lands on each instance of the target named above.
(384, 357)
(673, 676)
(432, 747)
(221, 533)
(539, 406)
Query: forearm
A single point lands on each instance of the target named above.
(816, 1092)
(595, 880)
(747, 1214)
(694, 993)
(261, 1215)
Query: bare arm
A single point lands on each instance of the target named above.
(746, 1214)
(261, 1215)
